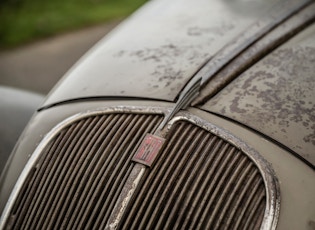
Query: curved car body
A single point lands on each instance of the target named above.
(197, 115)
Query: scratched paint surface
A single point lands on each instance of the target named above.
(277, 96)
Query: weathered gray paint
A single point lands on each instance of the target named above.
(277, 96)
(225, 66)
(157, 51)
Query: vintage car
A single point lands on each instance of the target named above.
(189, 115)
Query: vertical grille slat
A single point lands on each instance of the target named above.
(258, 200)
(90, 200)
(194, 198)
(65, 178)
(80, 165)
(144, 127)
(217, 170)
(247, 201)
(46, 182)
(232, 199)
(163, 207)
(23, 201)
(94, 145)
(241, 195)
(225, 188)
(174, 171)
(158, 189)
(81, 171)
(147, 194)
(199, 181)
(106, 168)
(186, 183)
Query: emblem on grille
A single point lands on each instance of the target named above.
(148, 150)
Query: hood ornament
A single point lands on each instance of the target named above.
(189, 93)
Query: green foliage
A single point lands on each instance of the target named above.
(25, 20)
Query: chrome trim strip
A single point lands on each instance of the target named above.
(125, 196)
(272, 210)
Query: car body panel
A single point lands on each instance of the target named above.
(17, 107)
(136, 61)
(277, 96)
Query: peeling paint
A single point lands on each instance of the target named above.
(165, 59)
(277, 97)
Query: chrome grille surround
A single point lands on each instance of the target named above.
(269, 178)
(5, 217)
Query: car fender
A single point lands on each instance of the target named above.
(17, 107)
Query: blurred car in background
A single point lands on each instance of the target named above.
(189, 115)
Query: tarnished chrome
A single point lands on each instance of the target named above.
(271, 183)
(125, 196)
(190, 92)
(270, 180)
(51, 135)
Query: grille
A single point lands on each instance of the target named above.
(77, 179)
(199, 182)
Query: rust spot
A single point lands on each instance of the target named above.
(311, 137)
(311, 225)
(235, 106)
(283, 88)
(168, 72)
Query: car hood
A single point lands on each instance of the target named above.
(166, 45)
(158, 50)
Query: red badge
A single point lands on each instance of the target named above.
(148, 149)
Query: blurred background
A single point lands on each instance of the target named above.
(41, 39)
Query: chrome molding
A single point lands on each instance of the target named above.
(270, 180)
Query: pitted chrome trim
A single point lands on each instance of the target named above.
(270, 180)
(271, 183)
(190, 92)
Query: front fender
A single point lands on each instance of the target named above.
(17, 107)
